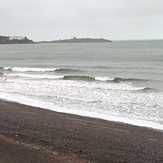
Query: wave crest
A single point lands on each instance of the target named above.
(78, 77)
(29, 69)
(38, 69)
(118, 79)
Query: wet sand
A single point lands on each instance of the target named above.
(33, 135)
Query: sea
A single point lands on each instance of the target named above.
(119, 81)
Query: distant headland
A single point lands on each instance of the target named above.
(15, 40)
(26, 40)
(78, 40)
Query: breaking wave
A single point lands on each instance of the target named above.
(38, 69)
(35, 76)
(118, 79)
(28, 69)
(78, 77)
(75, 77)
(102, 79)
(121, 85)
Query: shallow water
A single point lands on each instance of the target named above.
(120, 81)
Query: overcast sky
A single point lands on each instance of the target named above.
(58, 19)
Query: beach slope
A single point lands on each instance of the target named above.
(36, 135)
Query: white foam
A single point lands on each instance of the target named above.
(106, 86)
(51, 106)
(30, 69)
(103, 78)
(103, 100)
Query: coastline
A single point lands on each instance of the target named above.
(39, 135)
(46, 106)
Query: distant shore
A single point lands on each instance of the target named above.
(30, 134)
(25, 40)
(15, 40)
(78, 40)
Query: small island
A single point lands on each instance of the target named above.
(15, 40)
(78, 40)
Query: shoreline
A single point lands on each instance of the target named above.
(40, 104)
(40, 135)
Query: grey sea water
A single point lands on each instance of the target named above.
(121, 81)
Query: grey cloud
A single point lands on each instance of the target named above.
(53, 19)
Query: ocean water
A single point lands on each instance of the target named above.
(118, 81)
